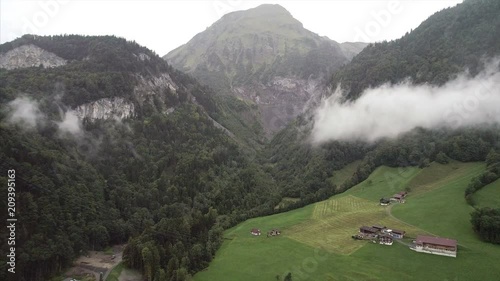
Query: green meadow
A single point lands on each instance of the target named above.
(316, 241)
(488, 196)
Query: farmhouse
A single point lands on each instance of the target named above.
(368, 230)
(398, 233)
(394, 233)
(403, 193)
(255, 231)
(435, 245)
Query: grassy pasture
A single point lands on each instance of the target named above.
(384, 182)
(315, 243)
(340, 217)
(488, 196)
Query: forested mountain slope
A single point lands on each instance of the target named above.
(110, 144)
(447, 43)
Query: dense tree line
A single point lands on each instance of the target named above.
(491, 174)
(302, 169)
(486, 223)
(103, 53)
(420, 147)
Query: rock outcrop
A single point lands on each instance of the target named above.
(280, 100)
(29, 56)
(116, 108)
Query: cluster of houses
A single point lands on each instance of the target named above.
(398, 197)
(423, 244)
(383, 234)
(273, 232)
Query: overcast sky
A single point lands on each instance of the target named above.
(165, 25)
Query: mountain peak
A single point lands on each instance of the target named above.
(263, 10)
(263, 17)
(262, 55)
(266, 9)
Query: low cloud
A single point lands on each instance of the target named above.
(25, 111)
(70, 124)
(390, 110)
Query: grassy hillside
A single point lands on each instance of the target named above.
(488, 196)
(316, 244)
(384, 182)
(442, 208)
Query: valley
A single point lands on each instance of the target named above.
(316, 242)
(256, 150)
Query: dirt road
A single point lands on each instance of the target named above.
(96, 262)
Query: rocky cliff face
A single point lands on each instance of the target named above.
(156, 86)
(112, 108)
(280, 100)
(29, 56)
(263, 55)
